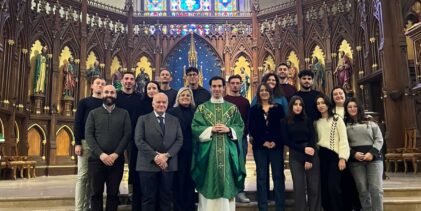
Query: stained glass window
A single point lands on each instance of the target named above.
(155, 7)
(225, 5)
(191, 8)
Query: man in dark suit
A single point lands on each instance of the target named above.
(158, 138)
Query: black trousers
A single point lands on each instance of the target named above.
(99, 174)
(156, 190)
(184, 195)
(134, 177)
(331, 180)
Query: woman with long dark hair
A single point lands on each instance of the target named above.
(366, 165)
(350, 198)
(304, 163)
(151, 88)
(333, 153)
(268, 147)
(272, 80)
(184, 195)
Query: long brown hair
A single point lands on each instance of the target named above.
(277, 90)
(291, 115)
(258, 99)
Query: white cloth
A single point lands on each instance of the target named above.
(221, 204)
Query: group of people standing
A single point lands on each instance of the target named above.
(180, 142)
(331, 144)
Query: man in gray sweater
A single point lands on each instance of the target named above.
(107, 133)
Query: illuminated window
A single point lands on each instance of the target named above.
(155, 7)
(190, 5)
(225, 5)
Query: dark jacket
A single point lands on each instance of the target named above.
(260, 131)
(185, 117)
(150, 139)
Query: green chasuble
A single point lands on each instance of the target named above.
(217, 165)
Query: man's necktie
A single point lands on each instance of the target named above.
(161, 123)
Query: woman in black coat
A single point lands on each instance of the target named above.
(184, 195)
(268, 147)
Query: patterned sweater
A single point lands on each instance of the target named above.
(332, 135)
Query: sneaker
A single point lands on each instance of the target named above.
(242, 198)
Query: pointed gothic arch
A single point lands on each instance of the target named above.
(37, 140)
(65, 139)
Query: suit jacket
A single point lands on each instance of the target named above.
(150, 139)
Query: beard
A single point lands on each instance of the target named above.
(108, 101)
(306, 86)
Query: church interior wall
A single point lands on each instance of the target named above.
(106, 32)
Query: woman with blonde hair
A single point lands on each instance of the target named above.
(184, 195)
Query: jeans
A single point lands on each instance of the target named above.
(82, 191)
(369, 182)
(264, 157)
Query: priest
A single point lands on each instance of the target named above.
(217, 168)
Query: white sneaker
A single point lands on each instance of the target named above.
(242, 198)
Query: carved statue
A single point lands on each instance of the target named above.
(343, 71)
(116, 79)
(246, 82)
(292, 75)
(319, 75)
(41, 72)
(141, 79)
(94, 71)
(70, 78)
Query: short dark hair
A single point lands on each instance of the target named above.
(235, 76)
(282, 64)
(130, 73)
(167, 70)
(215, 78)
(190, 69)
(94, 79)
(305, 73)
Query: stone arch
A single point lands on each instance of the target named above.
(71, 41)
(95, 44)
